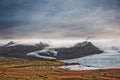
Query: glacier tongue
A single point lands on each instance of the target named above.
(108, 59)
(49, 52)
(78, 67)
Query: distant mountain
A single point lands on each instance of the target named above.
(9, 43)
(42, 51)
(19, 50)
(79, 50)
(114, 48)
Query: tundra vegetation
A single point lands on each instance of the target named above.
(16, 69)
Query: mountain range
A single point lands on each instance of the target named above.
(43, 51)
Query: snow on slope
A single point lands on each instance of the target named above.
(49, 51)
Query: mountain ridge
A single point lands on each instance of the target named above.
(20, 51)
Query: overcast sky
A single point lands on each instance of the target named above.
(57, 19)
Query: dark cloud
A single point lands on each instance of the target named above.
(59, 18)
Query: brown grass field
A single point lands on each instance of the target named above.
(12, 69)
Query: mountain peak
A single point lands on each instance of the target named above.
(10, 43)
(82, 44)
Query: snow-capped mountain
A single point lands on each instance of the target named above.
(78, 50)
(12, 49)
(44, 51)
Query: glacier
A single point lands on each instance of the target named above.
(107, 60)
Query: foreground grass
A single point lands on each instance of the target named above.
(12, 69)
(17, 63)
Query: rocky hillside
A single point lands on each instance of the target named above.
(79, 50)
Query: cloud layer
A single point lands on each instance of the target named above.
(59, 19)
